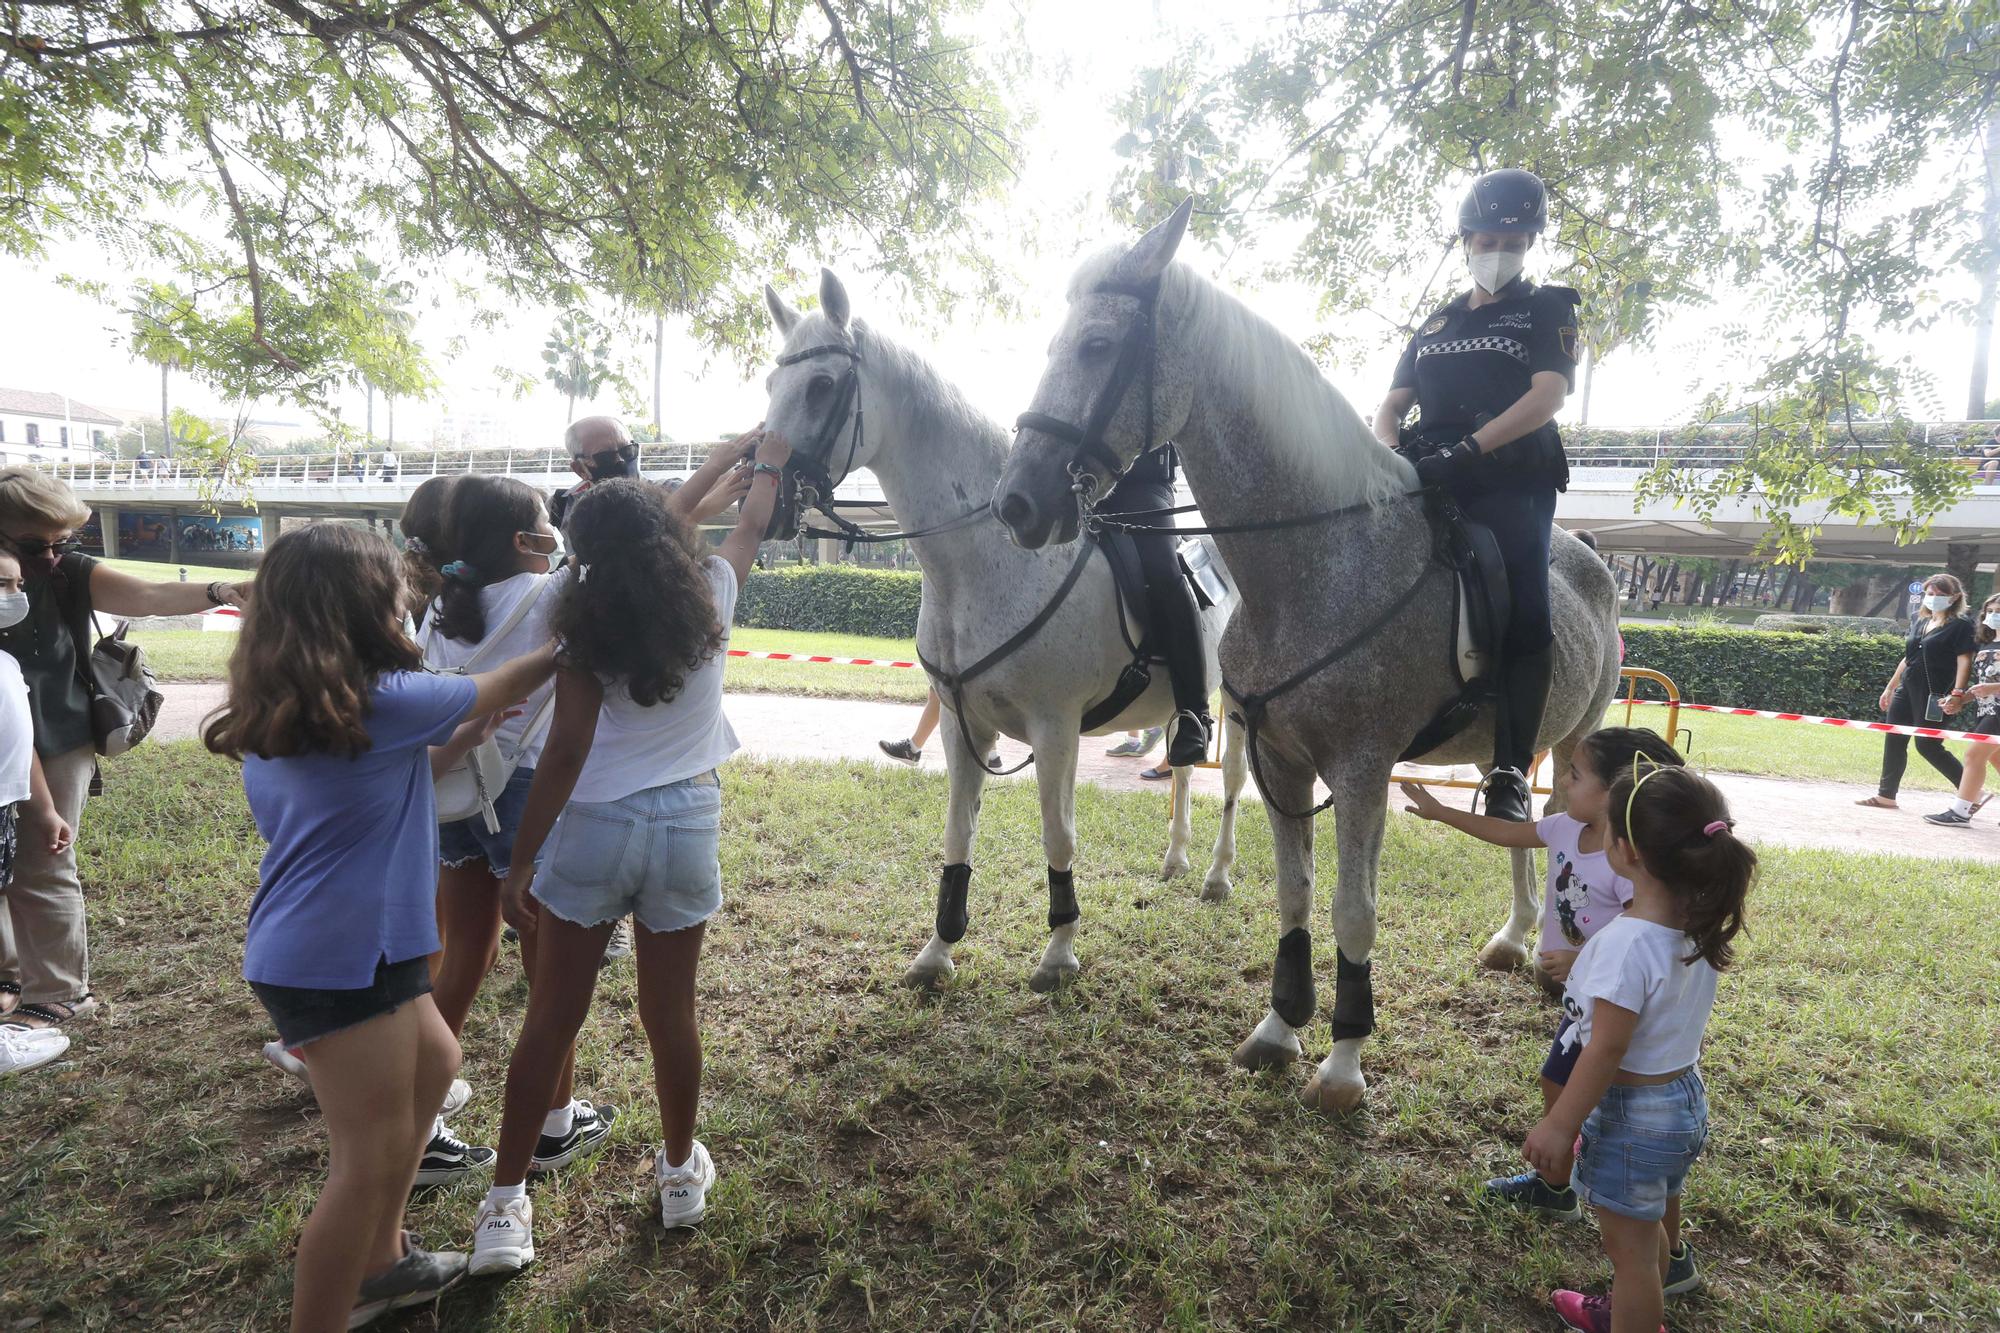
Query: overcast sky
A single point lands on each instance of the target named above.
(58, 341)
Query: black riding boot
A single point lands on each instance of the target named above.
(1524, 696)
(1190, 743)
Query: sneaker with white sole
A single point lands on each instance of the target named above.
(455, 1097)
(503, 1237)
(280, 1058)
(684, 1188)
(449, 1159)
(1682, 1276)
(620, 943)
(420, 1278)
(588, 1132)
(22, 1049)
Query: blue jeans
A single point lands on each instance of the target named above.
(467, 840)
(1638, 1145)
(651, 855)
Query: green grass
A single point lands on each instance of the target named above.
(1787, 749)
(988, 1157)
(160, 571)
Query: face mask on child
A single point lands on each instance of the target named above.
(1937, 601)
(13, 609)
(1992, 619)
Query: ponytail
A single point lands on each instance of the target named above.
(423, 542)
(1679, 825)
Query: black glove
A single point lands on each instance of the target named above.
(1448, 465)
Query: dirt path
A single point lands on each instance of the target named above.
(1769, 810)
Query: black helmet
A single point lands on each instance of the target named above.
(1509, 200)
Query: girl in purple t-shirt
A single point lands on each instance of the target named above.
(336, 725)
(1583, 895)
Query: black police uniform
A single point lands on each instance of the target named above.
(1467, 367)
(1149, 484)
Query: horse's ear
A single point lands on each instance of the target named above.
(1155, 250)
(833, 301)
(783, 313)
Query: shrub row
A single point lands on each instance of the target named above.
(833, 599)
(1832, 675)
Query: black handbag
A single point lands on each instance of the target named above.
(124, 696)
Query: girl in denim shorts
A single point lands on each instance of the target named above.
(1634, 1113)
(627, 799)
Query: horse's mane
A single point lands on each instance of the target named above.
(1306, 420)
(936, 407)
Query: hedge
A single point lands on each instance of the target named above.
(1832, 675)
(833, 599)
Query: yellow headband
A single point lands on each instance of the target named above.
(1638, 782)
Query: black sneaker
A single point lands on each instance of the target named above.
(1948, 819)
(902, 750)
(448, 1159)
(421, 1277)
(587, 1133)
(1529, 1190)
(1682, 1276)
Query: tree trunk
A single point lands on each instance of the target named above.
(1718, 593)
(1589, 372)
(1961, 561)
(1987, 265)
(166, 422)
(1780, 598)
(392, 419)
(659, 355)
(371, 414)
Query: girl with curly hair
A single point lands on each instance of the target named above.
(340, 733)
(628, 798)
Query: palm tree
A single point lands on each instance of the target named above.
(577, 355)
(156, 312)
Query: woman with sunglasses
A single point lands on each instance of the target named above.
(45, 956)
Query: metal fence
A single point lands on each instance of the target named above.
(299, 469)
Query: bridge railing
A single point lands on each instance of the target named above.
(326, 469)
(1724, 444)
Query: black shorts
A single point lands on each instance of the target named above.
(307, 1013)
(1560, 1063)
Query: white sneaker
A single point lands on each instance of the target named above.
(280, 1058)
(455, 1097)
(22, 1049)
(503, 1239)
(620, 943)
(684, 1188)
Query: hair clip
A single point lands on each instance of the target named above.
(416, 546)
(459, 570)
(582, 572)
(1715, 826)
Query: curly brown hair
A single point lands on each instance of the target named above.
(425, 551)
(1665, 814)
(639, 611)
(325, 624)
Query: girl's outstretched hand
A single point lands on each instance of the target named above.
(1421, 803)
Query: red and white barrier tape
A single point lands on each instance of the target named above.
(820, 658)
(1886, 728)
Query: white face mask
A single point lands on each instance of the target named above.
(556, 554)
(1937, 601)
(1496, 268)
(1992, 619)
(13, 609)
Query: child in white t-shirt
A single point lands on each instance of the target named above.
(26, 811)
(628, 800)
(1583, 895)
(1634, 1114)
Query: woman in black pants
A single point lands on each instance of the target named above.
(1937, 659)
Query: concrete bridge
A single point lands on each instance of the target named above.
(273, 489)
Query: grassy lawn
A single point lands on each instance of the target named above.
(989, 1157)
(1785, 749)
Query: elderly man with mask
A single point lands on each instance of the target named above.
(601, 449)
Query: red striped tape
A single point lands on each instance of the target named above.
(1886, 728)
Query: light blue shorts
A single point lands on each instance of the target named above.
(650, 855)
(1638, 1145)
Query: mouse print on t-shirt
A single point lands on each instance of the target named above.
(1572, 896)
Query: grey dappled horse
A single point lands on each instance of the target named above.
(1263, 436)
(938, 460)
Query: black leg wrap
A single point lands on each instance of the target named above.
(953, 887)
(1292, 997)
(1353, 998)
(1062, 897)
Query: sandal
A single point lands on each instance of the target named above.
(51, 1013)
(1878, 803)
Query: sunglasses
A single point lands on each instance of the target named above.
(30, 548)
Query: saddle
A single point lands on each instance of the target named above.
(1196, 565)
(1481, 609)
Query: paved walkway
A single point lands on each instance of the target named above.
(1767, 810)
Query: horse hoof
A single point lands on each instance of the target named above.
(1048, 977)
(1258, 1053)
(1216, 890)
(1329, 1098)
(1503, 955)
(926, 976)
(1173, 870)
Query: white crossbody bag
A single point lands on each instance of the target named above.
(474, 783)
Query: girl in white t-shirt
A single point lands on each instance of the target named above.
(1583, 895)
(628, 799)
(1634, 1114)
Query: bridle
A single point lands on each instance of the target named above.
(813, 464)
(1136, 356)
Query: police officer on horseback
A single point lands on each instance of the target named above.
(1487, 373)
(1176, 628)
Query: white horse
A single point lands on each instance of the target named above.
(938, 460)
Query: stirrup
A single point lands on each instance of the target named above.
(1506, 780)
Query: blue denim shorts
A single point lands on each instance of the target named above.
(651, 855)
(467, 840)
(1561, 1063)
(304, 1014)
(1638, 1145)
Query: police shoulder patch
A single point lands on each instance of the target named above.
(1567, 335)
(1436, 325)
